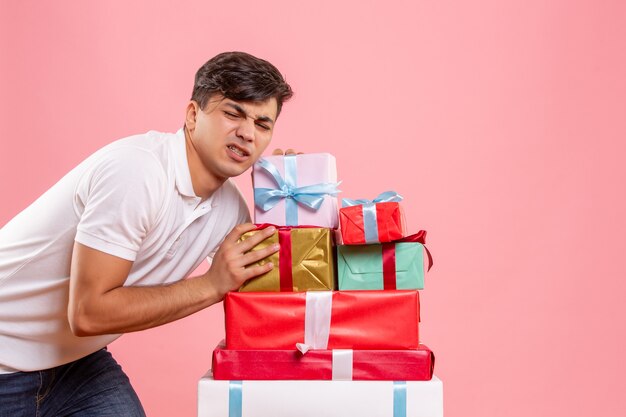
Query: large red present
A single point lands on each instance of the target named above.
(322, 320)
(341, 364)
(366, 222)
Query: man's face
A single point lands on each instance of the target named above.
(229, 136)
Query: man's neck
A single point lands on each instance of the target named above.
(203, 181)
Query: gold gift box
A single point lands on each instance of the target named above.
(312, 261)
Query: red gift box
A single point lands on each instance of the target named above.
(389, 221)
(322, 320)
(392, 365)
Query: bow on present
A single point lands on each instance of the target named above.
(311, 196)
(384, 197)
(389, 257)
(370, 222)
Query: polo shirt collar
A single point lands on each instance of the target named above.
(181, 166)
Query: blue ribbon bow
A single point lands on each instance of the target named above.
(370, 223)
(384, 197)
(311, 196)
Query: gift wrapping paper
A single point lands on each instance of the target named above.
(296, 190)
(341, 364)
(305, 261)
(362, 267)
(244, 398)
(388, 266)
(322, 320)
(386, 223)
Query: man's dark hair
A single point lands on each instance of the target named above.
(242, 77)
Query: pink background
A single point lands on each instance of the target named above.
(498, 121)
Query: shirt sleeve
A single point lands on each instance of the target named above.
(119, 200)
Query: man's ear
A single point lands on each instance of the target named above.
(191, 113)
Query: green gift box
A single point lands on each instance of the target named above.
(389, 266)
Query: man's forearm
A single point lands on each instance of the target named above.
(99, 303)
(129, 309)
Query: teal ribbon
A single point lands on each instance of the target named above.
(370, 222)
(399, 398)
(234, 398)
(311, 196)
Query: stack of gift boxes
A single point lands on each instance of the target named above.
(341, 304)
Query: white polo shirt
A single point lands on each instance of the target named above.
(133, 199)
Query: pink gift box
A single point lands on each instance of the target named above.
(310, 169)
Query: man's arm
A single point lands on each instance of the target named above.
(100, 304)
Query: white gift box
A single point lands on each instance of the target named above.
(319, 398)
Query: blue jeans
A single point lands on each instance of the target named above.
(94, 386)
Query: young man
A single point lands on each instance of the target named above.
(105, 250)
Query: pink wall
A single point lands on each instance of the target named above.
(500, 123)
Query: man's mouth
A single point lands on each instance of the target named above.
(238, 151)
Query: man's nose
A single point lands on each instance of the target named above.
(245, 131)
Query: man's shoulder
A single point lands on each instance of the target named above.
(139, 161)
(150, 150)
(151, 141)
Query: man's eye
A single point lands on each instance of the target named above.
(231, 115)
(263, 126)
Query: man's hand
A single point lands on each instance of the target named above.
(233, 264)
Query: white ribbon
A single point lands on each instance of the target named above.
(342, 364)
(316, 320)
